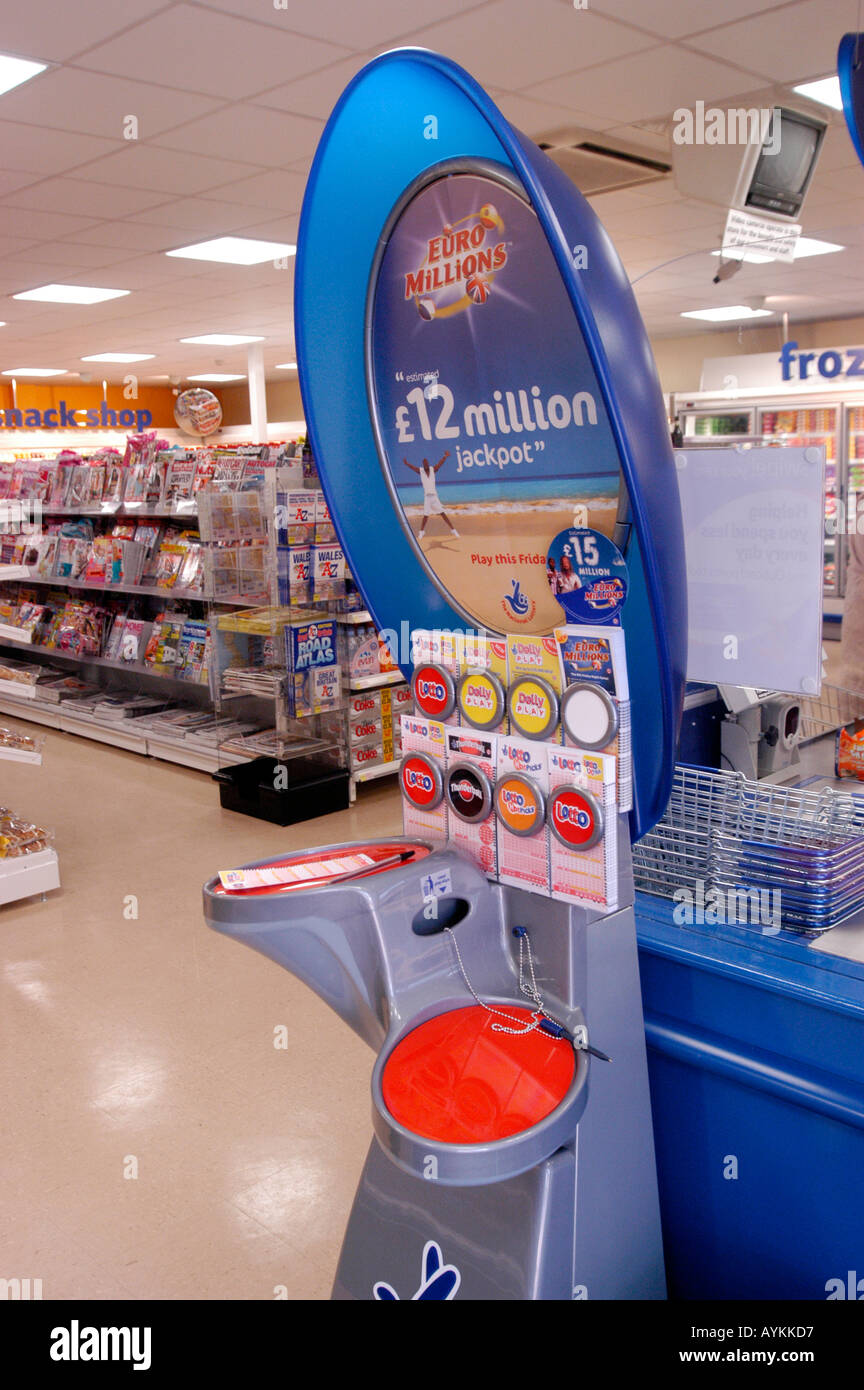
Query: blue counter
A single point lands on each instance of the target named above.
(756, 1060)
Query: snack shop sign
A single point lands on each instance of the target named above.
(62, 416)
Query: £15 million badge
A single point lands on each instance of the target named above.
(587, 575)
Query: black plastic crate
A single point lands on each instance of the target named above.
(249, 788)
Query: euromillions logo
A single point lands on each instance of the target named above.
(460, 265)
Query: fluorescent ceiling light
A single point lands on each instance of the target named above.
(35, 371)
(235, 250)
(826, 91)
(727, 312)
(805, 246)
(286, 366)
(222, 339)
(120, 357)
(14, 71)
(218, 376)
(70, 294)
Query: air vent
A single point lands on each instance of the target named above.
(600, 169)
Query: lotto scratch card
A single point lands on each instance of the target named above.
(520, 802)
(582, 867)
(421, 779)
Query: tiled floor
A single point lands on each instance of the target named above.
(145, 1045)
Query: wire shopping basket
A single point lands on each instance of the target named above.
(763, 850)
(831, 709)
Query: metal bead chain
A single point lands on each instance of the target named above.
(531, 992)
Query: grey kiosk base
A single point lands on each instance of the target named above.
(565, 1209)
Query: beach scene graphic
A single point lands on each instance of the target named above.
(496, 559)
(493, 430)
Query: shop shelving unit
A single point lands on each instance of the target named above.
(116, 676)
(34, 874)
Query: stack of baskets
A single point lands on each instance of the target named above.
(754, 842)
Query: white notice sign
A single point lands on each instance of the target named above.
(753, 537)
(761, 235)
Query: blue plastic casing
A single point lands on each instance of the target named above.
(850, 70)
(372, 149)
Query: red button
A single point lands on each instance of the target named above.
(456, 1080)
(422, 783)
(434, 691)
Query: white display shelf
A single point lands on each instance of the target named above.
(20, 755)
(19, 690)
(352, 619)
(171, 750)
(52, 716)
(28, 875)
(373, 682)
(114, 734)
(33, 710)
(371, 774)
(14, 572)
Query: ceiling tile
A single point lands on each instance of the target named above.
(65, 254)
(43, 226)
(83, 197)
(798, 43)
(186, 220)
(358, 26)
(270, 138)
(26, 148)
(93, 104)
(133, 236)
(279, 189)
(54, 30)
(647, 85)
(210, 53)
(165, 171)
(674, 18)
(505, 45)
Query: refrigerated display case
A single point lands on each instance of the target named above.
(799, 419)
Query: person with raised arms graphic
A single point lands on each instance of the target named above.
(432, 504)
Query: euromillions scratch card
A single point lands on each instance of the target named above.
(588, 876)
(594, 654)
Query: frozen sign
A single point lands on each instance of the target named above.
(490, 423)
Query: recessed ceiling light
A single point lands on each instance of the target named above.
(120, 357)
(727, 312)
(14, 71)
(70, 294)
(235, 250)
(218, 376)
(805, 246)
(35, 371)
(222, 339)
(826, 91)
